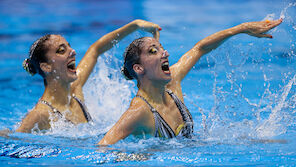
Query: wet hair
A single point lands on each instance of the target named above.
(37, 55)
(131, 57)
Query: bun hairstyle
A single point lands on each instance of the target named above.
(37, 54)
(131, 57)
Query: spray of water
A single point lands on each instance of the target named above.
(237, 115)
(275, 124)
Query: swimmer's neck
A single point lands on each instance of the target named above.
(57, 94)
(153, 93)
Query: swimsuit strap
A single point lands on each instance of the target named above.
(186, 116)
(150, 106)
(51, 107)
(81, 104)
(84, 109)
(54, 110)
(162, 129)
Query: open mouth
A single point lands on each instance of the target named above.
(71, 66)
(165, 67)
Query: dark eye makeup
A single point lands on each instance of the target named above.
(61, 49)
(153, 50)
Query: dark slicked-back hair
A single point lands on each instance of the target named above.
(131, 57)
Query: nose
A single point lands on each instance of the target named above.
(72, 53)
(165, 54)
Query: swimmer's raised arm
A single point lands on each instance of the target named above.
(106, 42)
(188, 60)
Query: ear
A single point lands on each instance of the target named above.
(138, 68)
(45, 67)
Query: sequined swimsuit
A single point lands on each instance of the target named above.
(162, 129)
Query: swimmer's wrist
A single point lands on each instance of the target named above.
(235, 30)
(242, 28)
(136, 24)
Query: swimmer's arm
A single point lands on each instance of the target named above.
(188, 60)
(107, 42)
(5, 132)
(32, 119)
(130, 122)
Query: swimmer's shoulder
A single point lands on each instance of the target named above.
(38, 115)
(142, 112)
(42, 110)
(139, 105)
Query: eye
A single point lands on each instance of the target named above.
(61, 50)
(153, 50)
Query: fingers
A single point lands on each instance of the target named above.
(274, 23)
(156, 34)
(157, 27)
(264, 36)
(150, 27)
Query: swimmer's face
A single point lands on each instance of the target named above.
(154, 60)
(61, 58)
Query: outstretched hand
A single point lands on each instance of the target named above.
(258, 29)
(149, 27)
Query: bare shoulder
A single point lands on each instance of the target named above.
(136, 119)
(138, 108)
(139, 113)
(39, 114)
(40, 110)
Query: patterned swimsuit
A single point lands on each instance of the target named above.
(162, 129)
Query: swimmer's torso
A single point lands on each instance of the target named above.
(168, 114)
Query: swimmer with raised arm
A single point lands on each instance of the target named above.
(52, 57)
(158, 108)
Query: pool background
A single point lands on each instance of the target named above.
(239, 95)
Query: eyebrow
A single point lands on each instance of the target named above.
(62, 45)
(153, 45)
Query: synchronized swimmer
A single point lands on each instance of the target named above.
(158, 109)
(52, 57)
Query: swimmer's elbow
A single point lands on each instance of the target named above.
(104, 142)
(22, 130)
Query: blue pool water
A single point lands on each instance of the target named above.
(242, 95)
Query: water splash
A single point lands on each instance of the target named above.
(107, 92)
(284, 11)
(270, 17)
(275, 124)
(270, 109)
